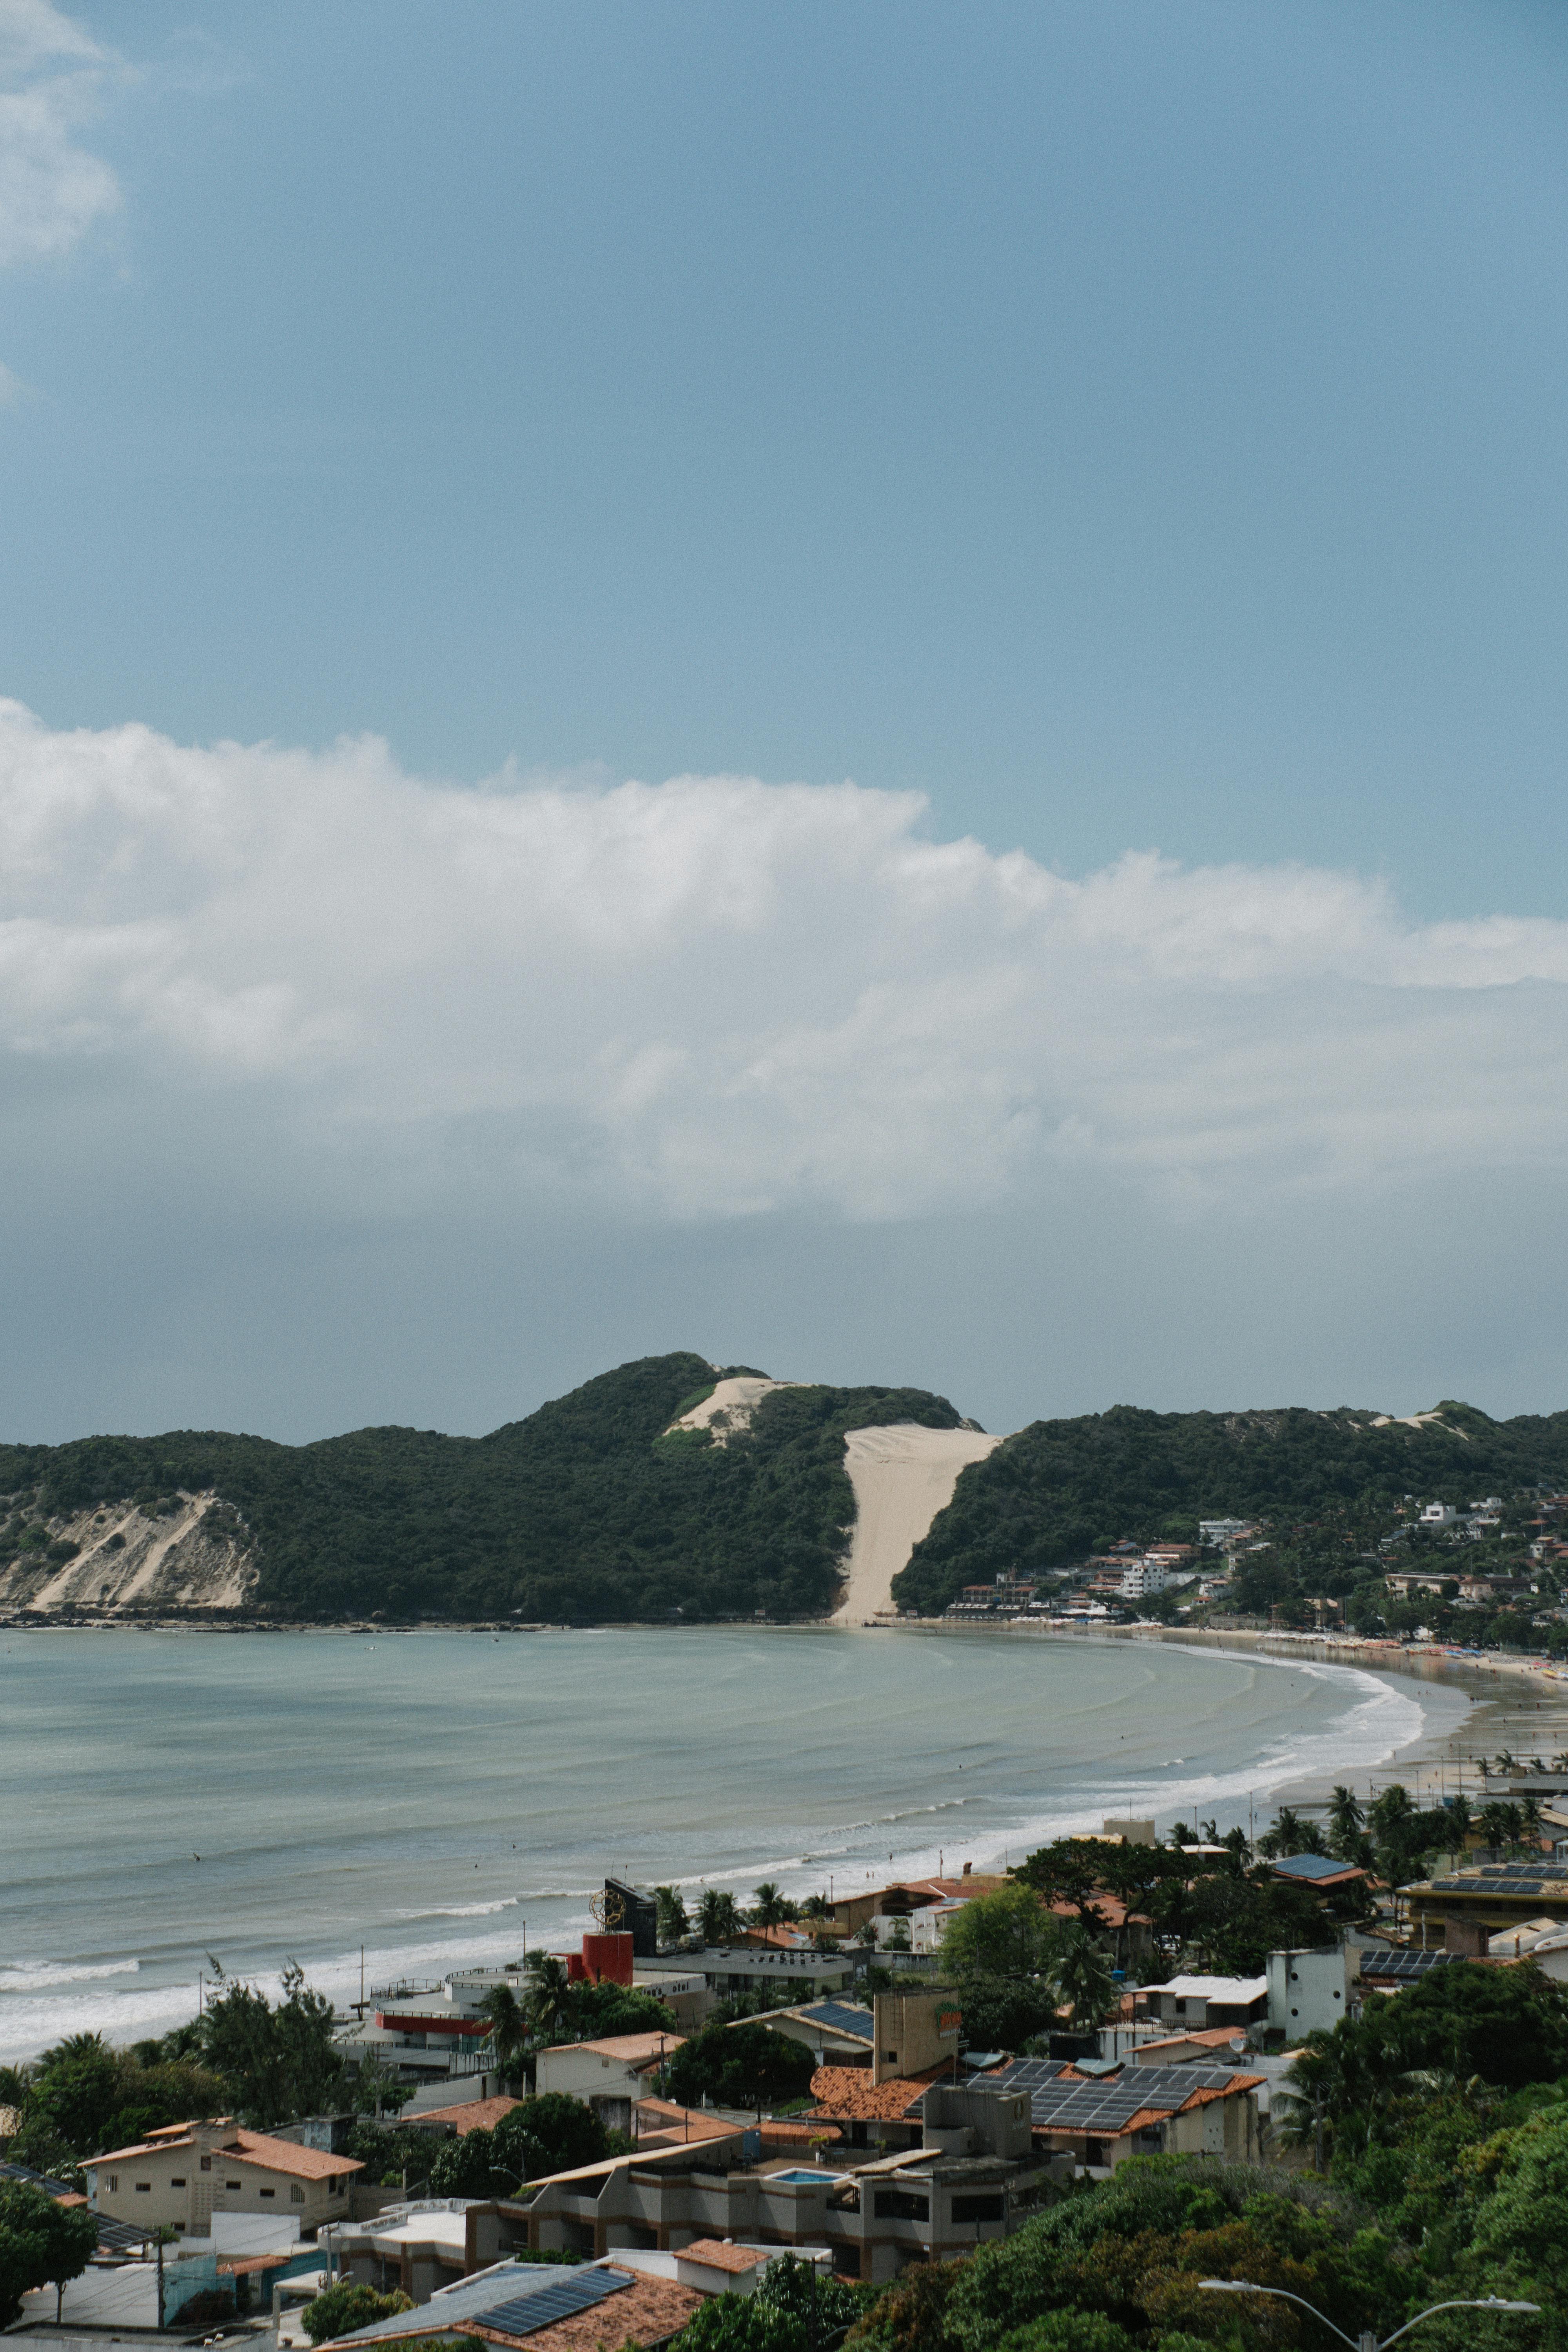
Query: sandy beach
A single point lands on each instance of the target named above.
(1515, 1702)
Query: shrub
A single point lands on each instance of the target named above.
(348, 2304)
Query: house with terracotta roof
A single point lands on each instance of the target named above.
(869, 2114)
(469, 2115)
(610, 2076)
(524, 2307)
(184, 2174)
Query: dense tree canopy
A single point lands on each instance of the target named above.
(1059, 1490)
(587, 1511)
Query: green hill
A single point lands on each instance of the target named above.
(1060, 1489)
(585, 1512)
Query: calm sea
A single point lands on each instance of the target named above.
(434, 1796)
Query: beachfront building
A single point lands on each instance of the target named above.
(976, 2177)
(181, 2176)
(1463, 1911)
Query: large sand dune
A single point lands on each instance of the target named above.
(902, 1475)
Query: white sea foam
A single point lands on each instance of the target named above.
(829, 1745)
(25, 1976)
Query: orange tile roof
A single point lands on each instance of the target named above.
(283, 2156)
(245, 2147)
(720, 2255)
(848, 2093)
(647, 2312)
(139, 2148)
(1207, 2037)
(469, 2114)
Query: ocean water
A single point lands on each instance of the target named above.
(437, 1796)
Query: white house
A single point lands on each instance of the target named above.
(1309, 1991)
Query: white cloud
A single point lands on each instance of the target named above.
(714, 996)
(52, 189)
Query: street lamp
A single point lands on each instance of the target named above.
(1367, 2341)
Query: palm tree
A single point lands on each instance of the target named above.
(1500, 1824)
(1346, 1822)
(1080, 1977)
(769, 1907)
(818, 1907)
(1283, 1835)
(1391, 1809)
(672, 1922)
(1211, 1833)
(718, 1920)
(509, 2025)
(548, 1994)
(1507, 1761)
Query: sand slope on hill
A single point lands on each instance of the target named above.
(902, 1475)
(730, 1408)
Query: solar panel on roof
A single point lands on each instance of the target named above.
(841, 2017)
(1026, 2073)
(1072, 2105)
(521, 2315)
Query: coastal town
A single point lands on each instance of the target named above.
(706, 2100)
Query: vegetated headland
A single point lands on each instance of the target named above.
(674, 1490)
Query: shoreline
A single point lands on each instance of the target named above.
(1514, 1701)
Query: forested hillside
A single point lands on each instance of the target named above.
(587, 1511)
(1061, 1490)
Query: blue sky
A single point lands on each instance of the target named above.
(1130, 429)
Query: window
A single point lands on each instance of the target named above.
(234, 2184)
(143, 2187)
(114, 2184)
(268, 2193)
(889, 2057)
(296, 2193)
(177, 2180)
(207, 2164)
(977, 2209)
(899, 2205)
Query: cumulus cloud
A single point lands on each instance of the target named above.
(714, 996)
(52, 189)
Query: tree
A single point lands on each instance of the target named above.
(1082, 1978)
(739, 2066)
(770, 1907)
(1071, 1871)
(549, 1995)
(551, 2133)
(376, 2087)
(1507, 2026)
(1347, 1822)
(672, 1921)
(1007, 1933)
(792, 2310)
(718, 1920)
(1518, 2247)
(350, 2303)
(42, 2243)
(511, 2026)
(468, 2164)
(277, 2062)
